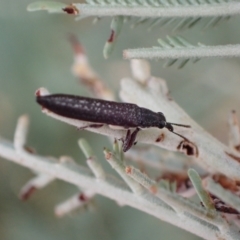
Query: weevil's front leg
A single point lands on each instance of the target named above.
(91, 126)
(129, 140)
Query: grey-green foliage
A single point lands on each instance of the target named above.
(160, 22)
(176, 42)
(177, 22)
(155, 3)
(175, 49)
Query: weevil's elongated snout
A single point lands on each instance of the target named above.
(169, 126)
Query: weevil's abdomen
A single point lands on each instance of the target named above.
(92, 110)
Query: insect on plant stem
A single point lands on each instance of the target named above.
(100, 112)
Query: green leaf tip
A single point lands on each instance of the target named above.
(116, 27)
(51, 7)
(202, 193)
(85, 147)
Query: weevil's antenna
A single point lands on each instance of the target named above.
(180, 125)
(170, 128)
(180, 136)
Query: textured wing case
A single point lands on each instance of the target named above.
(92, 110)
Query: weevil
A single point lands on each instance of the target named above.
(100, 112)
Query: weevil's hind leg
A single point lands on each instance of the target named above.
(126, 137)
(91, 126)
(129, 140)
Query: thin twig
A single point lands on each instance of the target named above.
(115, 190)
(186, 52)
(107, 10)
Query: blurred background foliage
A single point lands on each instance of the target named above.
(35, 52)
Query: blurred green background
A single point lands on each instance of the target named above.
(35, 52)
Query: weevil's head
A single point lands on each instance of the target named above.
(169, 126)
(161, 120)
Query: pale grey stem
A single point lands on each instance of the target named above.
(224, 194)
(178, 203)
(82, 178)
(176, 53)
(204, 10)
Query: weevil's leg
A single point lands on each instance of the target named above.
(95, 125)
(91, 126)
(129, 140)
(127, 136)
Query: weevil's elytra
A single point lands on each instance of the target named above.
(92, 110)
(126, 115)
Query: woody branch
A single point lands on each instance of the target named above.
(208, 225)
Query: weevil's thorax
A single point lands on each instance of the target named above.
(151, 119)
